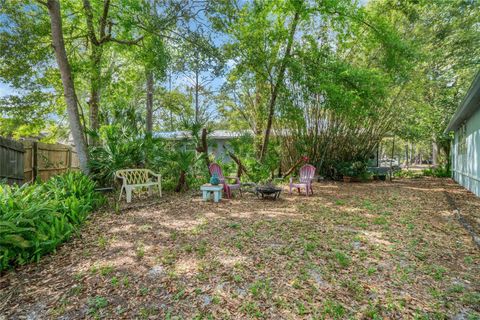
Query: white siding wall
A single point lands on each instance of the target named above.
(466, 164)
(217, 149)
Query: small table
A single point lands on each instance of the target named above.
(268, 192)
(208, 189)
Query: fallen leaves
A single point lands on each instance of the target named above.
(390, 250)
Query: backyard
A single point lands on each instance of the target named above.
(120, 119)
(361, 250)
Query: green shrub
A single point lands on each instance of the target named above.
(440, 172)
(405, 173)
(35, 219)
(355, 169)
(124, 148)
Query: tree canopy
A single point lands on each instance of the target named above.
(323, 79)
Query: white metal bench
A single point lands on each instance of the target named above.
(138, 178)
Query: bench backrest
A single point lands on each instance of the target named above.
(134, 176)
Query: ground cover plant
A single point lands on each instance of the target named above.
(35, 219)
(373, 251)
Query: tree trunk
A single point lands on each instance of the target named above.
(258, 126)
(240, 167)
(96, 55)
(68, 84)
(197, 89)
(95, 87)
(292, 168)
(277, 85)
(182, 183)
(406, 155)
(434, 153)
(203, 147)
(149, 116)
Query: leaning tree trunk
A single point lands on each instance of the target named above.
(277, 85)
(68, 84)
(149, 116)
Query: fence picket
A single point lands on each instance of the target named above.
(26, 161)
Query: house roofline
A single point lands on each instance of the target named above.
(186, 135)
(469, 105)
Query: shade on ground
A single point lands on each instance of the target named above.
(361, 250)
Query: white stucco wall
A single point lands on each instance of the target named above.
(466, 165)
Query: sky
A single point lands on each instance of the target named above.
(5, 90)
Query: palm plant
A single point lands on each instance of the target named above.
(182, 163)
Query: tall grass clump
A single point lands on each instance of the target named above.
(35, 219)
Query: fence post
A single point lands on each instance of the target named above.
(35, 160)
(69, 155)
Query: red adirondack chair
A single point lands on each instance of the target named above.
(307, 172)
(227, 187)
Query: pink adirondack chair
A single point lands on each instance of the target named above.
(307, 172)
(227, 187)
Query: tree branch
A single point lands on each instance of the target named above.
(103, 20)
(89, 16)
(126, 42)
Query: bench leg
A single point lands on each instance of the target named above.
(121, 192)
(150, 191)
(206, 195)
(216, 196)
(129, 194)
(160, 189)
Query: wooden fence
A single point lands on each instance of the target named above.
(41, 160)
(27, 161)
(11, 161)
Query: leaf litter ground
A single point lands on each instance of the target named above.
(369, 250)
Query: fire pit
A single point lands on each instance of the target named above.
(268, 192)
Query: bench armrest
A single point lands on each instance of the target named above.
(120, 177)
(154, 174)
(157, 175)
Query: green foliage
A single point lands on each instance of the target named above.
(356, 169)
(445, 35)
(96, 303)
(244, 148)
(334, 309)
(355, 73)
(407, 174)
(440, 172)
(343, 259)
(35, 219)
(123, 147)
(185, 169)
